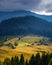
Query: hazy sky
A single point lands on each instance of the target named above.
(38, 6)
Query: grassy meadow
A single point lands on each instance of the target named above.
(26, 45)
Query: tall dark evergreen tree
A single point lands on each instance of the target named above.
(47, 56)
(45, 59)
(32, 60)
(26, 62)
(12, 61)
(22, 62)
(0, 62)
(38, 59)
(16, 60)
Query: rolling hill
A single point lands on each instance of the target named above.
(27, 25)
(25, 41)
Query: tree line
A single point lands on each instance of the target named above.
(45, 59)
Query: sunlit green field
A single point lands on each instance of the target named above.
(26, 45)
(27, 40)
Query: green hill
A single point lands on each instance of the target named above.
(27, 25)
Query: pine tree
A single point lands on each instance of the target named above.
(22, 62)
(38, 59)
(45, 58)
(32, 60)
(16, 60)
(26, 62)
(12, 61)
(0, 62)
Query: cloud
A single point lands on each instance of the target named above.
(32, 5)
(18, 4)
(49, 7)
(45, 7)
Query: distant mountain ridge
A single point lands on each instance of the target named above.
(5, 14)
(26, 25)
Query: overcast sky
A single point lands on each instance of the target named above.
(38, 6)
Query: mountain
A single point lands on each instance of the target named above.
(26, 25)
(5, 15)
